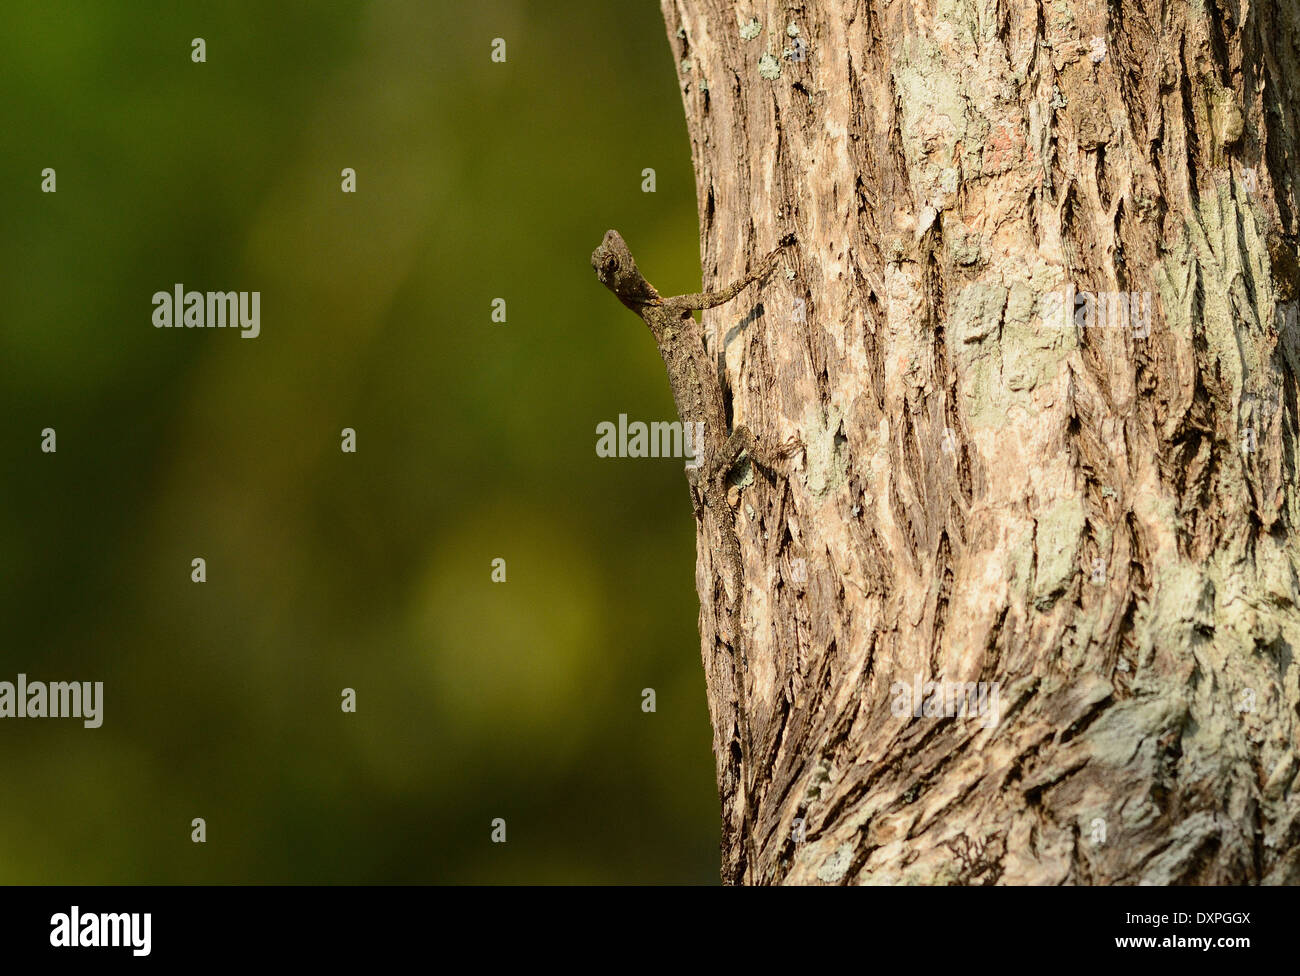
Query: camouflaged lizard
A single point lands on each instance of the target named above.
(697, 385)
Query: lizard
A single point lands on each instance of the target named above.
(700, 398)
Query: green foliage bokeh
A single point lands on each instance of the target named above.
(329, 570)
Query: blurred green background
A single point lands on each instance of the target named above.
(327, 570)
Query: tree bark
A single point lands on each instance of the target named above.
(1039, 349)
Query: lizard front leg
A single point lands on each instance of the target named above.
(698, 301)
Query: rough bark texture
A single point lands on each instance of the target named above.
(1096, 516)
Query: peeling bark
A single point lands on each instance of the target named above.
(1091, 511)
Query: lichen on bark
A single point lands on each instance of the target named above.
(1096, 512)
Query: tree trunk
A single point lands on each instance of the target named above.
(1039, 350)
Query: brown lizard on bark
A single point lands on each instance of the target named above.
(698, 392)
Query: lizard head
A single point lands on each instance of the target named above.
(617, 271)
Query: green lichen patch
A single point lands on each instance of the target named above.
(977, 312)
(1002, 346)
(826, 450)
(837, 865)
(941, 126)
(1056, 542)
